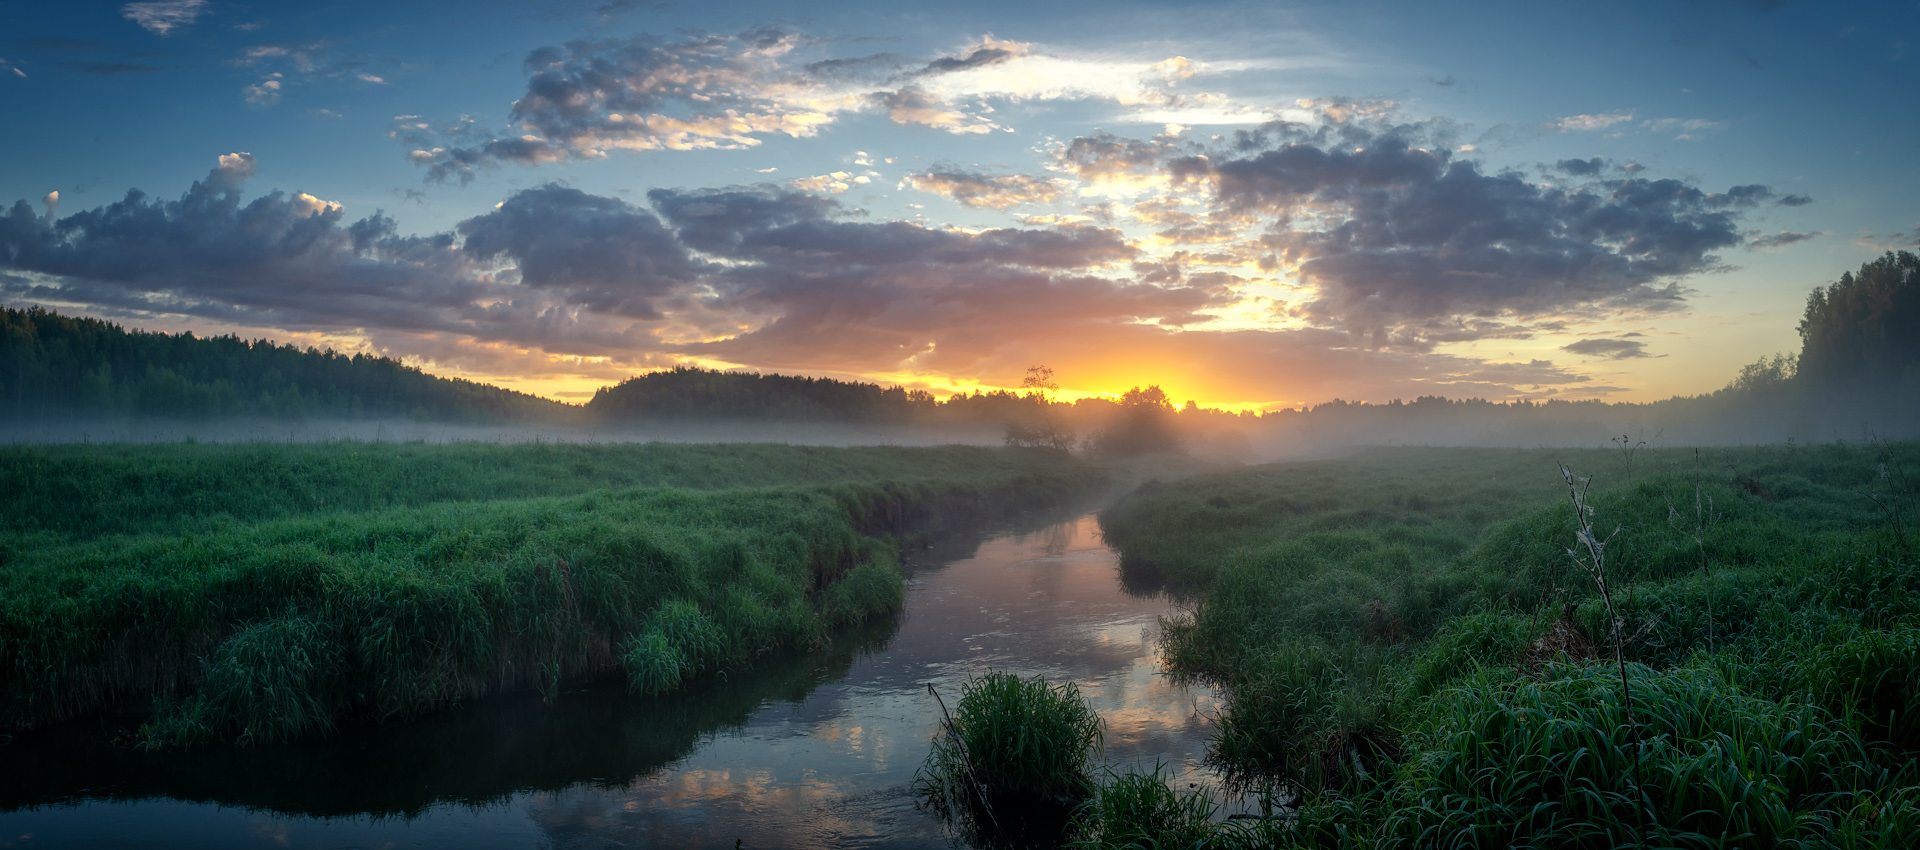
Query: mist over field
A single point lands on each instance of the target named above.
(1224, 425)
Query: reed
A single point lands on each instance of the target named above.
(1418, 609)
(266, 615)
(1143, 811)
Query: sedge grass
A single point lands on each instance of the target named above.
(242, 621)
(1143, 811)
(1011, 746)
(1422, 603)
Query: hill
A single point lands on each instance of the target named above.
(70, 367)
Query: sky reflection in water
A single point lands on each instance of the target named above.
(832, 768)
(835, 768)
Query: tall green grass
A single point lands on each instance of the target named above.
(247, 620)
(1143, 811)
(1011, 749)
(78, 492)
(1393, 634)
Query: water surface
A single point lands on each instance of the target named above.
(809, 750)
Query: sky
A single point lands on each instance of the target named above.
(1252, 205)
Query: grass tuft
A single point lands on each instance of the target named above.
(1011, 745)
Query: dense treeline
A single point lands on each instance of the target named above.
(685, 392)
(1864, 330)
(54, 366)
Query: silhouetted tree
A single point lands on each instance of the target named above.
(1144, 423)
(1045, 431)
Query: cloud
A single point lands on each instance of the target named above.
(1588, 123)
(588, 99)
(575, 274)
(913, 106)
(1688, 126)
(1582, 167)
(1794, 200)
(164, 16)
(1608, 349)
(264, 93)
(1104, 158)
(286, 65)
(600, 253)
(280, 260)
(1000, 192)
(981, 57)
(1896, 240)
(1781, 239)
(1396, 238)
(1750, 195)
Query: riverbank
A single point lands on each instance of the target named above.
(1413, 642)
(260, 591)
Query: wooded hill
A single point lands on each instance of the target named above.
(67, 367)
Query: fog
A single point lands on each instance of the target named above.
(263, 429)
(1326, 430)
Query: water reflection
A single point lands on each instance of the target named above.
(813, 750)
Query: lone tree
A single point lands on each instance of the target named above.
(1040, 386)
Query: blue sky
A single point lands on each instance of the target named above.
(1254, 204)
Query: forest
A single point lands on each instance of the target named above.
(1857, 371)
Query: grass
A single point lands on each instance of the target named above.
(249, 608)
(1406, 640)
(1012, 748)
(1143, 811)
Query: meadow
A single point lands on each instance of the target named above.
(253, 592)
(1416, 653)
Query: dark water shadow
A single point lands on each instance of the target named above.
(478, 754)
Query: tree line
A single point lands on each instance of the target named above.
(1859, 364)
(66, 367)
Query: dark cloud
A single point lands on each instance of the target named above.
(878, 65)
(1582, 167)
(785, 280)
(1610, 349)
(601, 253)
(977, 59)
(1794, 200)
(285, 260)
(889, 293)
(1740, 196)
(1105, 156)
(558, 270)
(1781, 239)
(1404, 237)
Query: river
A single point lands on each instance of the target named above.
(809, 750)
